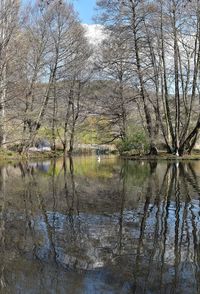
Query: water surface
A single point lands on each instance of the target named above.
(113, 226)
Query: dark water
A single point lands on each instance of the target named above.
(100, 227)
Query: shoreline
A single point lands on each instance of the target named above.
(162, 156)
(7, 155)
(12, 156)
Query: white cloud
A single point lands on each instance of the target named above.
(94, 33)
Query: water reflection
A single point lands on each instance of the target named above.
(81, 226)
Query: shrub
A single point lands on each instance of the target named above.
(136, 142)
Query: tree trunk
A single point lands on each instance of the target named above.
(147, 112)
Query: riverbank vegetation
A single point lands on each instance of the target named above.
(137, 89)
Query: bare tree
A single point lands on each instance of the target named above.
(8, 30)
(114, 92)
(164, 36)
(54, 57)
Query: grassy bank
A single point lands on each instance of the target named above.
(162, 156)
(7, 155)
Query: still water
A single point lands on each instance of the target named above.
(112, 226)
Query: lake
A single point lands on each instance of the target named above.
(108, 226)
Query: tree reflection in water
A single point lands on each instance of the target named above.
(116, 227)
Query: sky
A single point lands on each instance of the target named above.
(85, 9)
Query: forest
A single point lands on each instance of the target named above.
(138, 88)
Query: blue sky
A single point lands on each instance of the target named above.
(85, 9)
